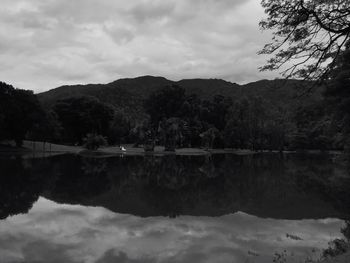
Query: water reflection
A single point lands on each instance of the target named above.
(289, 187)
(20, 185)
(70, 233)
(223, 208)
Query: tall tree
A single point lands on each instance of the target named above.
(308, 36)
(166, 102)
(338, 94)
(19, 110)
(83, 115)
(119, 129)
(47, 128)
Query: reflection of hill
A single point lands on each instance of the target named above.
(265, 186)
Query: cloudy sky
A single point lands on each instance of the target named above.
(47, 43)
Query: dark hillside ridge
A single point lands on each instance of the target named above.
(128, 94)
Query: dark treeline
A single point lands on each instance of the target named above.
(177, 120)
(174, 119)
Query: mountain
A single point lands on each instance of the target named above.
(123, 94)
(128, 94)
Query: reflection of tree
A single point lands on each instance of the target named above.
(20, 185)
(339, 246)
(214, 185)
(171, 175)
(93, 167)
(268, 185)
(79, 179)
(321, 179)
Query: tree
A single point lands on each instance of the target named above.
(258, 117)
(237, 130)
(309, 34)
(214, 111)
(144, 134)
(119, 128)
(175, 117)
(19, 111)
(208, 137)
(94, 141)
(245, 126)
(47, 128)
(338, 95)
(171, 132)
(83, 115)
(338, 92)
(190, 114)
(278, 124)
(166, 102)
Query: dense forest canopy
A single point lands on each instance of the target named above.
(173, 117)
(19, 111)
(81, 116)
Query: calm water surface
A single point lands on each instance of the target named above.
(223, 208)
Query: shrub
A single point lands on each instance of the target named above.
(94, 141)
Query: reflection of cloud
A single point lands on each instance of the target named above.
(49, 43)
(112, 256)
(42, 251)
(65, 233)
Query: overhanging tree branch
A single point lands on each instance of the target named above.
(315, 31)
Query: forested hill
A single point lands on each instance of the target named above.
(212, 113)
(128, 94)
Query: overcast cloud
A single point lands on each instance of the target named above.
(45, 44)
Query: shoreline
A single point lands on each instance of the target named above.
(38, 149)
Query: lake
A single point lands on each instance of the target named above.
(219, 208)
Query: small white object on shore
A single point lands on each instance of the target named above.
(122, 148)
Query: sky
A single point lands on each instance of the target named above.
(54, 233)
(48, 43)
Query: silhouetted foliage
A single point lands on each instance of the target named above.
(208, 137)
(80, 116)
(47, 128)
(214, 111)
(181, 120)
(119, 130)
(339, 246)
(21, 183)
(174, 119)
(165, 103)
(307, 33)
(247, 123)
(19, 111)
(76, 179)
(171, 132)
(264, 115)
(94, 141)
(338, 94)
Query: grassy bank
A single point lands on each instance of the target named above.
(32, 148)
(40, 148)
